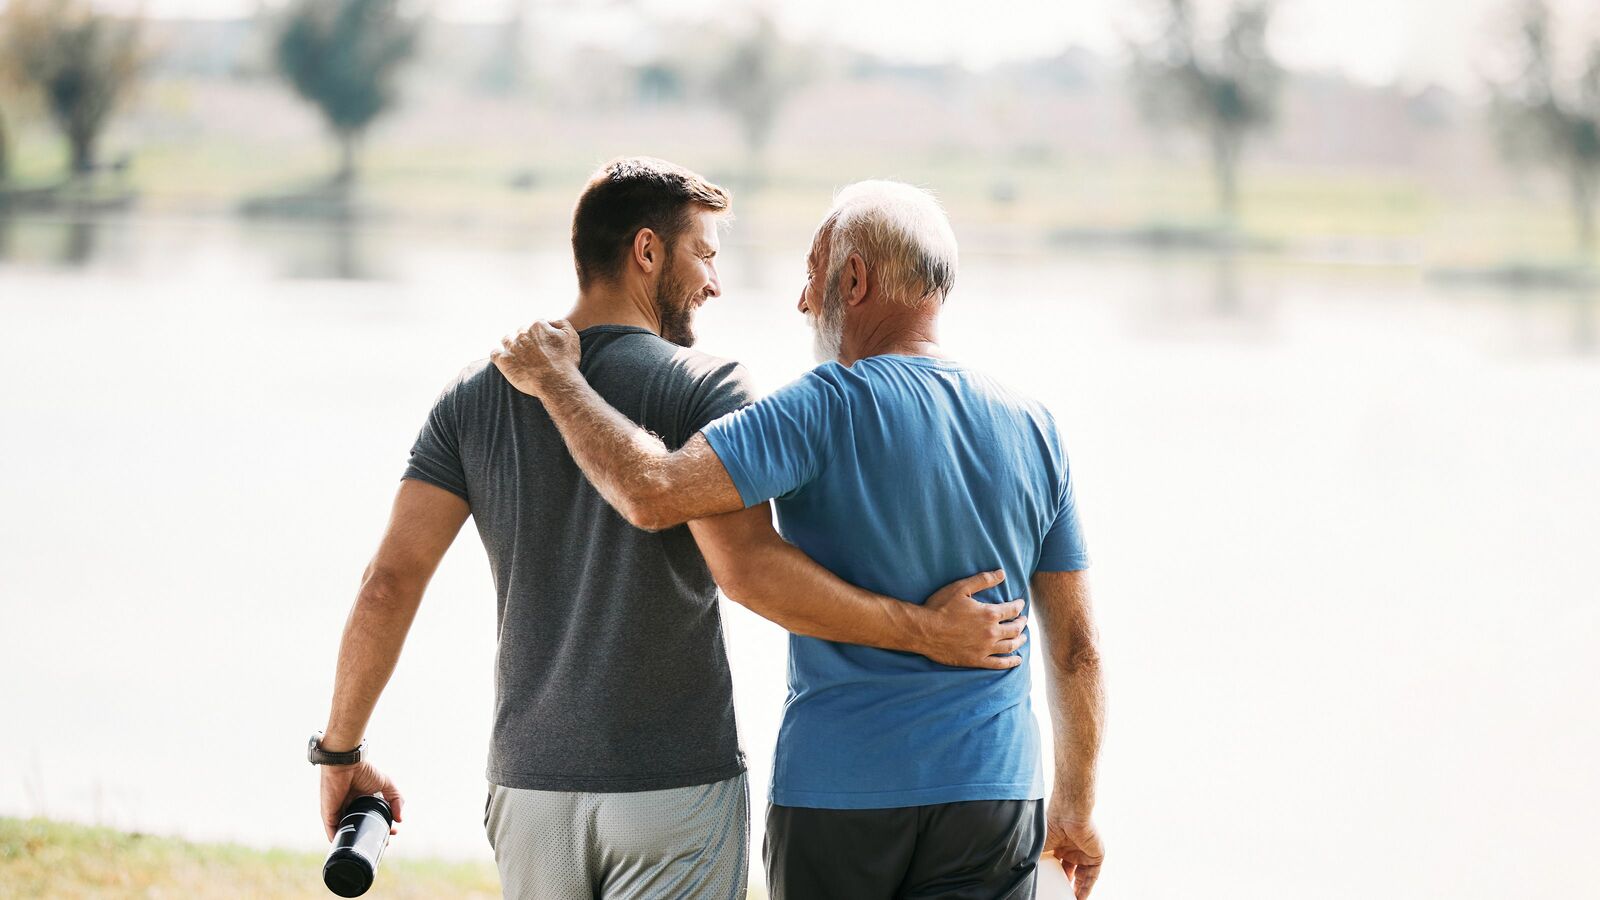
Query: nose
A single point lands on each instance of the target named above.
(802, 304)
(714, 289)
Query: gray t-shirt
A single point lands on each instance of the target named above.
(611, 672)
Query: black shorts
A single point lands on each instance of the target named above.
(971, 850)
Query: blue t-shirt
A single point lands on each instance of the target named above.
(902, 474)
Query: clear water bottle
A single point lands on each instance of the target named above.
(357, 846)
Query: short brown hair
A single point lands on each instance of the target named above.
(626, 195)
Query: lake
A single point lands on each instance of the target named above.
(1344, 525)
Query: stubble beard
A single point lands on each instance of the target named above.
(675, 309)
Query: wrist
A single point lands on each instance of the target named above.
(916, 628)
(321, 751)
(1069, 806)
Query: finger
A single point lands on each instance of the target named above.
(1004, 612)
(1012, 628)
(1010, 645)
(1085, 881)
(972, 584)
(998, 662)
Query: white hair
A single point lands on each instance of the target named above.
(901, 233)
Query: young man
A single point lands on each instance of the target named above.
(614, 767)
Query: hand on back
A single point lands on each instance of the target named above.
(960, 630)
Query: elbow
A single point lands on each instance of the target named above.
(1082, 660)
(736, 585)
(646, 505)
(646, 516)
(385, 589)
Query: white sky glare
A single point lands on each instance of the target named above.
(1412, 42)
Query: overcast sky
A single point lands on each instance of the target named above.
(1412, 42)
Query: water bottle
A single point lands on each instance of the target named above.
(1052, 882)
(357, 846)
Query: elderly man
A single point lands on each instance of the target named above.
(896, 468)
(614, 768)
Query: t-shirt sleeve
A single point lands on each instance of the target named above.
(726, 388)
(778, 444)
(436, 455)
(1064, 549)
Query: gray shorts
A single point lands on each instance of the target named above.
(690, 842)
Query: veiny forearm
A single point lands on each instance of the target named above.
(1075, 686)
(373, 636)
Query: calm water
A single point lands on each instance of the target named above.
(1344, 529)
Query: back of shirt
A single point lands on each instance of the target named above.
(902, 474)
(611, 674)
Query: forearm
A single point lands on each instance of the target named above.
(624, 462)
(780, 583)
(1076, 691)
(373, 636)
(1077, 713)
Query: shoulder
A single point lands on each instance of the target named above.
(476, 378)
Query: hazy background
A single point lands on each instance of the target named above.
(1334, 431)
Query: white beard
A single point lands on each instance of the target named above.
(827, 328)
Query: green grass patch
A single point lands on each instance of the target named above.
(40, 858)
(44, 859)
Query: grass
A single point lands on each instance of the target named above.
(45, 859)
(40, 858)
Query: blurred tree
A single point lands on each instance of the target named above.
(752, 84)
(505, 71)
(1539, 119)
(1225, 91)
(5, 150)
(82, 61)
(343, 55)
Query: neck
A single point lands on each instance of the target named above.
(614, 304)
(912, 333)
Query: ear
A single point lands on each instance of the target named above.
(853, 280)
(647, 250)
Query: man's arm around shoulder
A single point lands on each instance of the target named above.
(648, 485)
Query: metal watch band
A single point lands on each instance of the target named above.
(321, 757)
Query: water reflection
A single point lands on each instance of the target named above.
(71, 243)
(340, 251)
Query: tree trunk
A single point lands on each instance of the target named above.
(1225, 171)
(348, 149)
(82, 154)
(5, 151)
(1582, 191)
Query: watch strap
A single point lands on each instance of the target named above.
(321, 757)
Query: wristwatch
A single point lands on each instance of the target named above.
(321, 757)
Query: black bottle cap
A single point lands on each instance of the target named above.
(347, 874)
